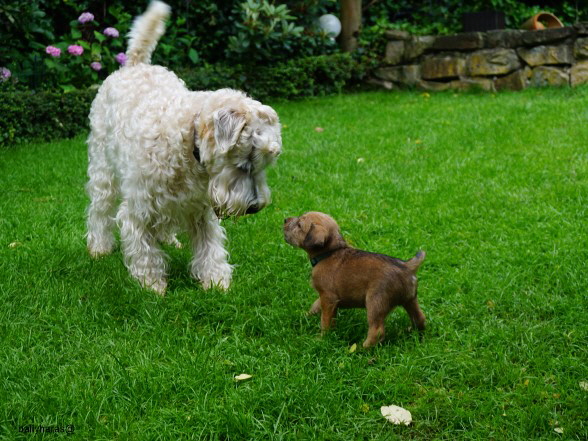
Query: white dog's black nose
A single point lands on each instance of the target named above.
(252, 209)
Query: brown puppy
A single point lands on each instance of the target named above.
(346, 277)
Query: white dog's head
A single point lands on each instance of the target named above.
(236, 139)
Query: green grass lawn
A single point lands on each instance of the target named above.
(493, 187)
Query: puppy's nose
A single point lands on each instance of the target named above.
(252, 209)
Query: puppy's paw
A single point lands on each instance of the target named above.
(315, 308)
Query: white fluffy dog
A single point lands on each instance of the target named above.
(175, 160)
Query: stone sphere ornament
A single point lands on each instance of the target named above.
(330, 24)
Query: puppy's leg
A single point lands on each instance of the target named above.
(416, 315)
(144, 259)
(328, 311)
(377, 310)
(210, 259)
(102, 188)
(315, 308)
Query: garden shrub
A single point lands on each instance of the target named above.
(207, 31)
(268, 33)
(310, 76)
(424, 17)
(26, 115)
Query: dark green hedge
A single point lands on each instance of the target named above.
(26, 116)
(304, 77)
(52, 115)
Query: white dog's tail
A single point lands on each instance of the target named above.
(146, 31)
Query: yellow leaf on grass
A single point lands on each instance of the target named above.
(353, 348)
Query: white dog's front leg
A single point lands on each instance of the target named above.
(209, 262)
(144, 259)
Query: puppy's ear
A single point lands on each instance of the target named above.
(316, 237)
(227, 127)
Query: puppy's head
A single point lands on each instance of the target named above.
(237, 138)
(314, 232)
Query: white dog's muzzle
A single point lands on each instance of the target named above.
(244, 193)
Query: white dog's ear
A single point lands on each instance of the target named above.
(228, 125)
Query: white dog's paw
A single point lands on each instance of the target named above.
(171, 239)
(100, 248)
(220, 278)
(159, 286)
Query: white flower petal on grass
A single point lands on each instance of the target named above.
(558, 430)
(14, 244)
(584, 385)
(396, 415)
(242, 377)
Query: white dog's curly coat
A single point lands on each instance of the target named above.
(176, 160)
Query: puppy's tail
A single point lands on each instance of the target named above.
(414, 263)
(146, 31)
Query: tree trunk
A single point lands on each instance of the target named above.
(350, 24)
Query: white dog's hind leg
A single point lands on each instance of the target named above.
(103, 191)
(209, 262)
(144, 259)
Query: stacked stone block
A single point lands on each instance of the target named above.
(494, 60)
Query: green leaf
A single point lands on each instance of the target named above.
(67, 87)
(96, 49)
(100, 37)
(193, 56)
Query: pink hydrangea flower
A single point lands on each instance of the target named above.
(86, 17)
(53, 51)
(4, 74)
(121, 58)
(76, 50)
(96, 66)
(110, 32)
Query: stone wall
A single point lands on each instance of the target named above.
(493, 60)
